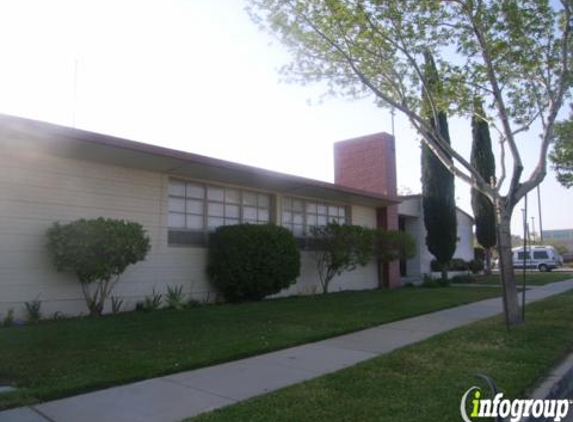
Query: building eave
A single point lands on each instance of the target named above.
(91, 146)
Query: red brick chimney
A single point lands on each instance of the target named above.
(369, 163)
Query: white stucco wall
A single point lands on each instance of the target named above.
(411, 209)
(37, 189)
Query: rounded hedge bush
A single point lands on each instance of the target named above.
(249, 262)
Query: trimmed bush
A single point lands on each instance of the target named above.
(456, 264)
(476, 266)
(250, 262)
(463, 279)
(435, 266)
(431, 283)
(98, 252)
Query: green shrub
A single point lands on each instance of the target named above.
(431, 283)
(249, 262)
(463, 279)
(8, 318)
(458, 264)
(338, 248)
(436, 266)
(33, 312)
(153, 302)
(476, 266)
(98, 252)
(174, 297)
(392, 245)
(479, 253)
(193, 303)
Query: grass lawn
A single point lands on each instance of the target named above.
(53, 360)
(424, 382)
(532, 278)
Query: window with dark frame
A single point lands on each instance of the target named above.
(195, 209)
(300, 215)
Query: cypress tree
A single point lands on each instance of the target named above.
(484, 162)
(438, 193)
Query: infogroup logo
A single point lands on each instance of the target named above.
(516, 409)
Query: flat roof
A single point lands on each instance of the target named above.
(91, 146)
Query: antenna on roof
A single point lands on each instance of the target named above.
(75, 93)
(393, 113)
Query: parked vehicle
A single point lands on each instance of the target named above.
(543, 258)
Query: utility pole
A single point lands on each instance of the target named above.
(533, 228)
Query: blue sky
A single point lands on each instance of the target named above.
(197, 75)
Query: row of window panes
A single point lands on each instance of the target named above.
(299, 215)
(187, 206)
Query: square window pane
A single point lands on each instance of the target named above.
(215, 222)
(216, 210)
(342, 211)
(287, 217)
(298, 230)
(250, 198)
(321, 209)
(195, 191)
(232, 196)
(321, 220)
(341, 220)
(297, 218)
(264, 200)
(194, 206)
(176, 220)
(311, 219)
(195, 222)
(263, 215)
(232, 211)
(231, 221)
(215, 194)
(287, 204)
(297, 205)
(333, 211)
(249, 213)
(176, 188)
(177, 204)
(310, 208)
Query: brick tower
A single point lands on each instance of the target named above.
(369, 163)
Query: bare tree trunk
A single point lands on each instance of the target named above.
(510, 300)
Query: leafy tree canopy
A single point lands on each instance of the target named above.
(515, 54)
(562, 153)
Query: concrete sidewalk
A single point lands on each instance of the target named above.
(175, 397)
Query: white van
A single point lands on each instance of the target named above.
(544, 258)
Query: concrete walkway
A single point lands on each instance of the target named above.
(175, 397)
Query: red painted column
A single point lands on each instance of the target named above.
(369, 163)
